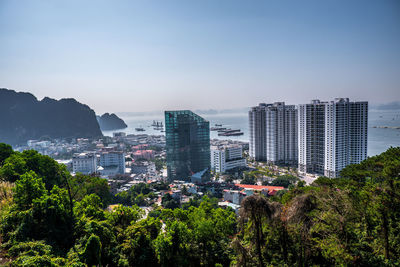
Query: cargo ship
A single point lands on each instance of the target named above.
(217, 129)
(230, 132)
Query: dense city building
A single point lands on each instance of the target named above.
(332, 135)
(226, 158)
(257, 133)
(312, 137)
(187, 144)
(85, 163)
(273, 133)
(113, 161)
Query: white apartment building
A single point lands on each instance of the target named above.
(226, 158)
(84, 163)
(113, 160)
(332, 135)
(312, 137)
(273, 133)
(257, 133)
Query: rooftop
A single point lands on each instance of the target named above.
(260, 187)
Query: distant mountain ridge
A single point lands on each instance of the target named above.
(24, 117)
(111, 121)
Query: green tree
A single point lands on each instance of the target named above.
(51, 219)
(285, 181)
(172, 246)
(18, 163)
(169, 202)
(90, 206)
(82, 185)
(123, 216)
(13, 167)
(5, 152)
(248, 180)
(138, 245)
(28, 188)
(257, 210)
(92, 252)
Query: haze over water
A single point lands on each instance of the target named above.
(379, 140)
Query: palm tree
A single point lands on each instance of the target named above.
(255, 209)
(297, 213)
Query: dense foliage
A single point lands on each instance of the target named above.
(350, 221)
(141, 195)
(49, 218)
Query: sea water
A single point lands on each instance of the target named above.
(379, 139)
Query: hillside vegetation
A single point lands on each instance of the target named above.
(50, 218)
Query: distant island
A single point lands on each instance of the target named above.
(109, 122)
(24, 117)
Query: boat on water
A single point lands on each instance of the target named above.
(231, 134)
(140, 129)
(229, 131)
(217, 128)
(218, 125)
(158, 125)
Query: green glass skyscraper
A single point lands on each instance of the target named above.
(187, 144)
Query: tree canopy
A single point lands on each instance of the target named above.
(50, 218)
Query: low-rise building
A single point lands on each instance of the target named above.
(119, 134)
(234, 196)
(143, 154)
(113, 160)
(85, 163)
(266, 190)
(225, 158)
(107, 172)
(233, 206)
(143, 167)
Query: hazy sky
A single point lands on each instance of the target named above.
(198, 54)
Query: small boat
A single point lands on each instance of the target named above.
(230, 134)
(217, 128)
(140, 129)
(218, 125)
(157, 124)
(229, 131)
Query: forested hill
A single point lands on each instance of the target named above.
(24, 117)
(110, 122)
(50, 218)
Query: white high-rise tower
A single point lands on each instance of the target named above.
(273, 133)
(332, 135)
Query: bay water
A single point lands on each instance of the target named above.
(379, 139)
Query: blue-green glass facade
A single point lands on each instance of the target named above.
(187, 144)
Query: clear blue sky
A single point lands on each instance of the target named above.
(198, 54)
